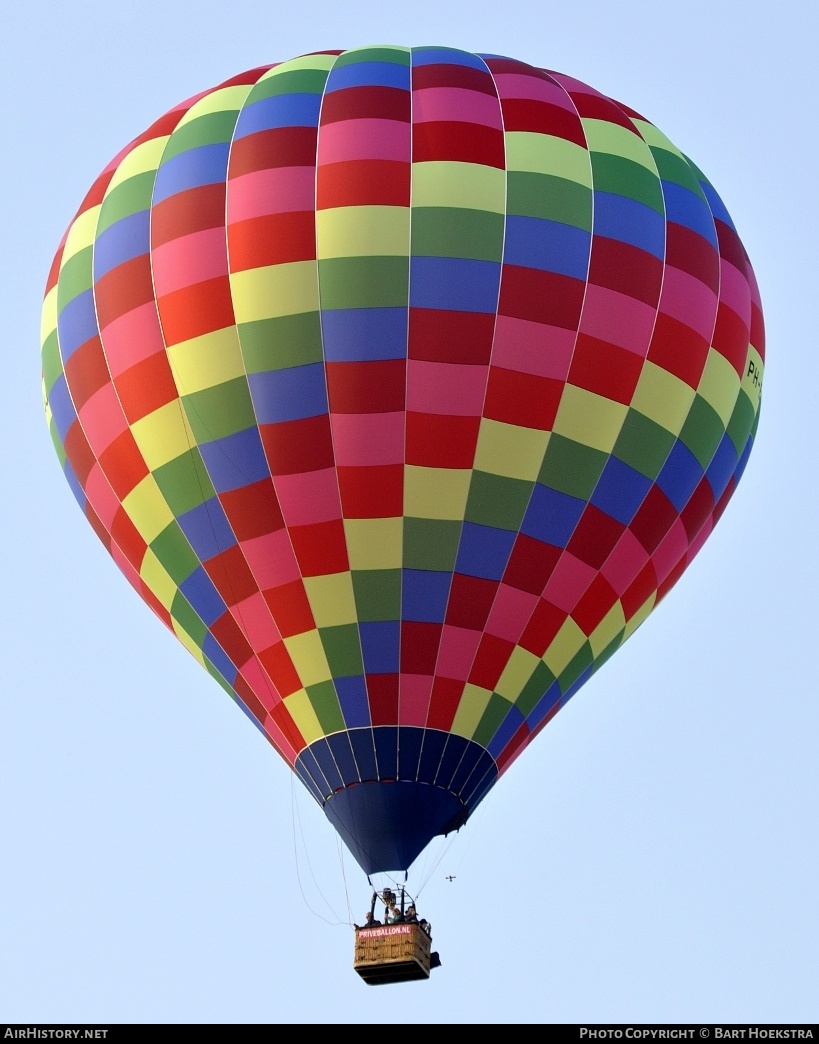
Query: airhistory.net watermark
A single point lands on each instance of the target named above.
(41, 1033)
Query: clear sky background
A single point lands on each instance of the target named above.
(653, 855)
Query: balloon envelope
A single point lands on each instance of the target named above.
(402, 384)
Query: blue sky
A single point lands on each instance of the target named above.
(653, 855)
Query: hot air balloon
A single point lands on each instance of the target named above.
(402, 384)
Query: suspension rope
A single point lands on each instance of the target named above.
(340, 850)
(294, 814)
(444, 850)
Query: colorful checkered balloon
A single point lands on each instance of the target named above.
(402, 384)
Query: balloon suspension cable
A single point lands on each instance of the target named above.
(293, 817)
(437, 862)
(476, 820)
(447, 845)
(340, 850)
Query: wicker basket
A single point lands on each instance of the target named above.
(392, 953)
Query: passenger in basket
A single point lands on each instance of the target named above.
(370, 921)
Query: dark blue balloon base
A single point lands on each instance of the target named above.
(388, 791)
(386, 825)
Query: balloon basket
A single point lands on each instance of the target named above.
(392, 953)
